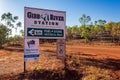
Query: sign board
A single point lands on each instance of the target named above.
(61, 48)
(31, 50)
(43, 23)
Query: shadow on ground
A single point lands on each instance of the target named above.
(73, 71)
(109, 63)
(14, 49)
(47, 75)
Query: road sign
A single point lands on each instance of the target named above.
(61, 48)
(38, 32)
(42, 23)
(31, 50)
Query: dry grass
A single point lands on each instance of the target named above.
(84, 62)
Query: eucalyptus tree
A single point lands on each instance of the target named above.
(84, 19)
(10, 21)
(84, 30)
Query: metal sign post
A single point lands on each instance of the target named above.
(24, 67)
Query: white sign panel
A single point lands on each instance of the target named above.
(61, 48)
(31, 50)
(43, 23)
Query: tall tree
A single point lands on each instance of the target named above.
(10, 20)
(84, 19)
(85, 31)
(19, 24)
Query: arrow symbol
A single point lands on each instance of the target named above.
(32, 32)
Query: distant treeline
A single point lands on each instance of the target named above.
(97, 30)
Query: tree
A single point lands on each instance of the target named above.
(108, 26)
(4, 32)
(69, 33)
(84, 19)
(101, 22)
(116, 30)
(85, 31)
(10, 20)
(75, 31)
(92, 33)
(22, 32)
(19, 24)
(95, 22)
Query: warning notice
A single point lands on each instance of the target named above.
(61, 48)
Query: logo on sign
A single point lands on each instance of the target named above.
(31, 43)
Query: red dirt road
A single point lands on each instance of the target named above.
(11, 61)
(99, 51)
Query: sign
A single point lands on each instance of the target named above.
(43, 23)
(31, 50)
(61, 48)
(38, 32)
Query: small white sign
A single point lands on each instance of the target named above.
(31, 50)
(61, 48)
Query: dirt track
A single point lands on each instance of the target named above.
(97, 51)
(11, 60)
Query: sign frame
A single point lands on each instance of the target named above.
(61, 24)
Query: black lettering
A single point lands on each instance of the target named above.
(56, 23)
(34, 16)
(29, 15)
(35, 22)
(52, 23)
(39, 22)
(49, 23)
(43, 22)
(51, 17)
(38, 16)
(46, 22)
(56, 17)
(62, 18)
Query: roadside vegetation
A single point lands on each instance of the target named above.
(99, 30)
(8, 23)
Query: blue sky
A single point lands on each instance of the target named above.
(108, 10)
